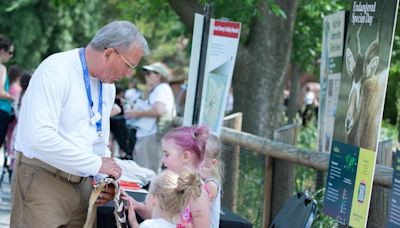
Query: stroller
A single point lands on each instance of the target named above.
(7, 166)
(299, 211)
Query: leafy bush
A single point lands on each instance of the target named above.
(305, 177)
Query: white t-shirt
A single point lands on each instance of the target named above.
(156, 223)
(54, 123)
(161, 93)
(132, 95)
(309, 98)
(215, 207)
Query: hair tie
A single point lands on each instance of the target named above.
(195, 133)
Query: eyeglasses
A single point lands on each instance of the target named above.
(130, 66)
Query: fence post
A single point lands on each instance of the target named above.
(231, 156)
(268, 173)
(279, 187)
(378, 211)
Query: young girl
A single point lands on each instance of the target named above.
(168, 196)
(211, 170)
(183, 149)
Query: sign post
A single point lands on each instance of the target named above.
(194, 75)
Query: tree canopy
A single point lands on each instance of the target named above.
(39, 28)
(274, 34)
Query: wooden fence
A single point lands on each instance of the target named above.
(307, 158)
(283, 154)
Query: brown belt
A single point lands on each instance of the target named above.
(58, 173)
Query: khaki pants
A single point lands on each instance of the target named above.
(147, 152)
(42, 199)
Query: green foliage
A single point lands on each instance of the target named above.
(243, 14)
(307, 39)
(305, 177)
(250, 194)
(307, 137)
(388, 131)
(321, 220)
(39, 28)
(275, 8)
(159, 24)
(392, 112)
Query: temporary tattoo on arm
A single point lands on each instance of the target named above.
(197, 214)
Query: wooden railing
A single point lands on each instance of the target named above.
(286, 153)
(280, 155)
(307, 158)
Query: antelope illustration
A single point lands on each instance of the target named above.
(366, 94)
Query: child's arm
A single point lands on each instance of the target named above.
(131, 210)
(140, 208)
(200, 209)
(212, 189)
(132, 216)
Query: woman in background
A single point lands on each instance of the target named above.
(6, 53)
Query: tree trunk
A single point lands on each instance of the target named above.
(260, 68)
(186, 10)
(260, 65)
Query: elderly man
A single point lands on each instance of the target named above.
(64, 128)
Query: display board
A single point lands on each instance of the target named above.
(365, 68)
(330, 73)
(223, 42)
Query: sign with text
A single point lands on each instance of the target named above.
(223, 42)
(330, 72)
(365, 68)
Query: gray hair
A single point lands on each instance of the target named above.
(121, 35)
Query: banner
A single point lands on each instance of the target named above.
(365, 68)
(330, 73)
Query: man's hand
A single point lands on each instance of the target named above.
(110, 167)
(106, 195)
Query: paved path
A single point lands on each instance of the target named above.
(5, 203)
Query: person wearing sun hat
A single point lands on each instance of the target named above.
(161, 69)
(160, 105)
